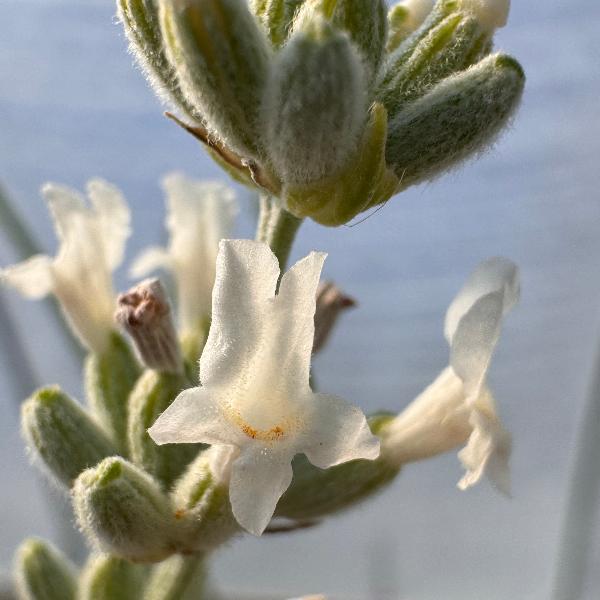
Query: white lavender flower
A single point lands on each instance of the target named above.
(92, 242)
(458, 407)
(255, 392)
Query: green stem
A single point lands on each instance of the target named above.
(277, 227)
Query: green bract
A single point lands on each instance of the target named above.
(285, 86)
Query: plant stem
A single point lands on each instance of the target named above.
(577, 530)
(277, 227)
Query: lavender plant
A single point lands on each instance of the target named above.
(327, 108)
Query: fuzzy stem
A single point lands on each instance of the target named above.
(277, 227)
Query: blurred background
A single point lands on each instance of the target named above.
(73, 106)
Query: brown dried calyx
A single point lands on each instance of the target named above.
(331, 302)
(144, 313)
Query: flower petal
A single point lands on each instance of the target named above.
(63, 203)
(475, 340)
(474, 319)
(149, 260)
(194, 417)
(487, 452)
(492, 275)
(436, 421)
(293, 320)
(200, 214)
(246, 279)
(340, 433)
(32, 277)
(259, 477)
(113, 218)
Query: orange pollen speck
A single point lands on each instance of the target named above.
(271, 435)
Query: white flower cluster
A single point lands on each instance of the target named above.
(255, 401)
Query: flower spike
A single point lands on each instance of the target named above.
(255, 392)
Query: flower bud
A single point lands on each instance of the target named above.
(458, 117)
(144, 312)
(365, 21)
(315, 103)
(222, 62)
(450, 41)
(315, 493)
(177, 578)
(42, 573)
(111, 578)
(121, 510)
(141, 25)
(404, 18)
(276, 17)
(152, 394)
(109, 378)
(365, 181)
(62, 435)
(201, 501)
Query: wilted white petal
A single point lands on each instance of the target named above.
(32, 277)
(493, 275)
(457, 407)
(113, 219)
(475, 339)
(487, 451)
(255, 393)
(340, 433)
(258, 479)
(151, 259)
(194, 417)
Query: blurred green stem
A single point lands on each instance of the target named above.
(583, 493)
(277, 227)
